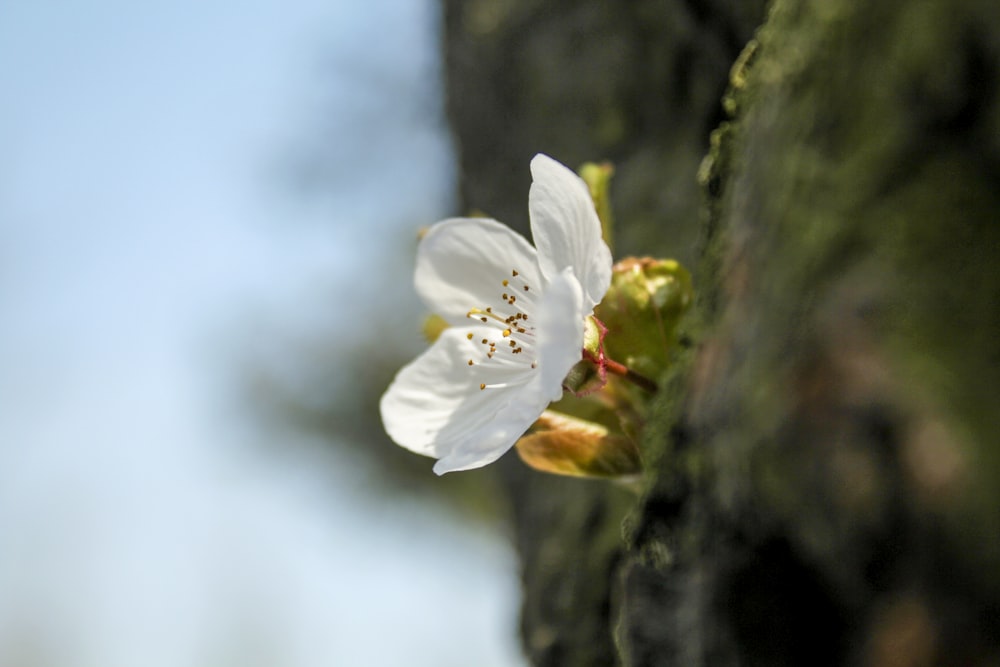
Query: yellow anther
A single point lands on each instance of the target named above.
(505, 283)
(482, 386)
(470, 362)
(506, 332)
(469, 335)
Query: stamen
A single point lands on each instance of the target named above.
(485, 314)
(514, 320)
(498, 385)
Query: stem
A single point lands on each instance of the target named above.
(623, 371)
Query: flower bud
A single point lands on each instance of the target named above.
(641, 311)
(598, 180)
(566, 445)
(585, 378)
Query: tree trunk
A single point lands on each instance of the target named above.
(824, 465)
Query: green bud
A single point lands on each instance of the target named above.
(566, 445)
(593, 335)
(641, 311)
(598, 180)
(583, 378)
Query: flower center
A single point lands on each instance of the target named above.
(508, 317)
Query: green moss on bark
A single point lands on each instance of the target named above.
(841, 414)
(825, 478)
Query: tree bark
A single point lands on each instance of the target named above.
(824, 468)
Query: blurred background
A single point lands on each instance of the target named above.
(207, 218)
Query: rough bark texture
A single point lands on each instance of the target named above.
(824, 481)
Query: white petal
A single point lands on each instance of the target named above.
(494, 438)
(560, 332)
(566, 229)
(435, 407)
(462, 262)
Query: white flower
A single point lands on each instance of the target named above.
(516, 319)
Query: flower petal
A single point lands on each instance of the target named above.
(560, 332)
(494, 438)
(435, 407)
(566, 229)
(462, 263)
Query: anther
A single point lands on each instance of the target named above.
(469, 335)
(470, 362)
(505, 283)
(484, 341)
(482, 386)
(525, 288)
(513, 273)
(506, 332)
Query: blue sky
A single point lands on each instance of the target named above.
(145, 220)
